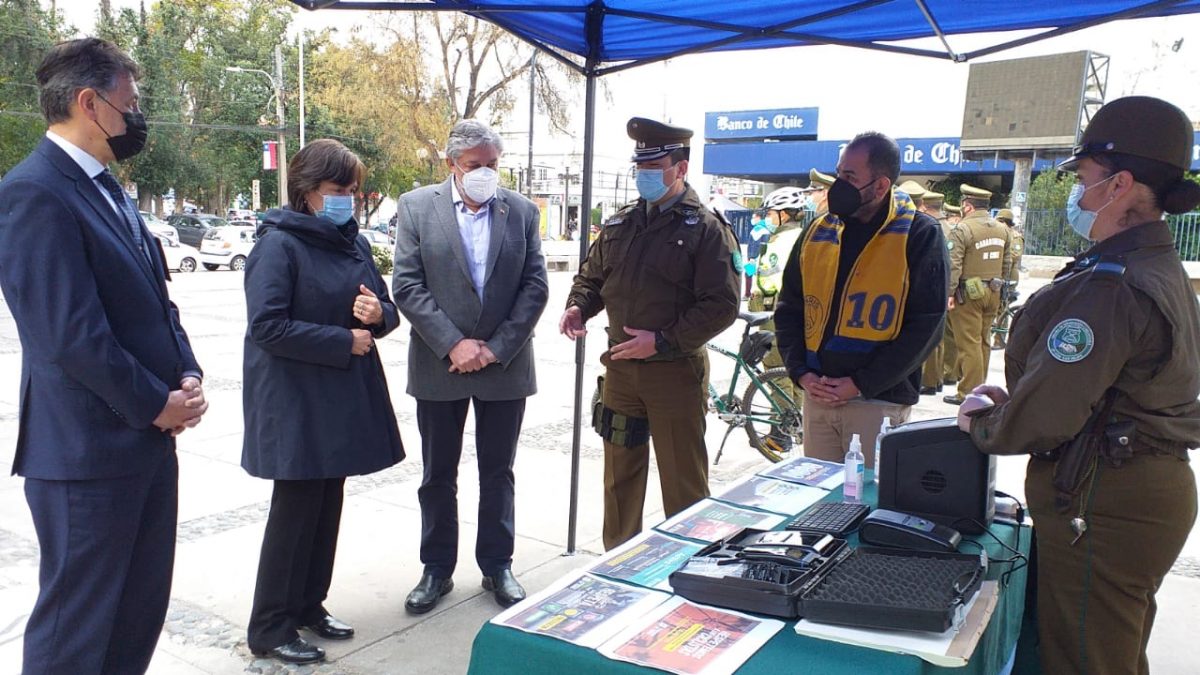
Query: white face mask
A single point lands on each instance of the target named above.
(479, 185)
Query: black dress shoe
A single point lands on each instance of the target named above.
(425, 596)
(953, 400)
(331, 629)
(506, 587)
(930, 391)
(296, 651)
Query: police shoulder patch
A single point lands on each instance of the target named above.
(1071, 340)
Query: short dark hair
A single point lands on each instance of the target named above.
(86, 63)
(883, 155)
(977, 202)
(321, 160)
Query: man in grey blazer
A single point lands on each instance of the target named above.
(470, 279)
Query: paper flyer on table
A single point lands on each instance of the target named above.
(711, 521)
(681, 637)
(812, 472)
(773, 495)
(585, 611)
(952, 649)
(647, 560)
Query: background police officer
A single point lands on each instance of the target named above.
(933, 370)
(666, 270)
(980, 261)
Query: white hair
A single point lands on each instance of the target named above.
(468, 134)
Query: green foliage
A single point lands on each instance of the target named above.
(1050, 189)
(383, 259)
(26, 32)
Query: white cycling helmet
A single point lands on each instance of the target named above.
(785, 198)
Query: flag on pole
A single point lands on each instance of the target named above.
(270, 155)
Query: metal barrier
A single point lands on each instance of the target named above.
(1047, 233)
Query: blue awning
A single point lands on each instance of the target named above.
(615, 34)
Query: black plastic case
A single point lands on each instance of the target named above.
(713, 578)
(896, 589)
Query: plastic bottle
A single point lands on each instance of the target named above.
(883, 429)
(852, 489)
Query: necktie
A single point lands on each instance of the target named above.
(132, 219)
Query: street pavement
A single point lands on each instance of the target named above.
(222, 511)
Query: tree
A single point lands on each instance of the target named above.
(26, 32)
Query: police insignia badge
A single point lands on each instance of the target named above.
(949, 246)
(1071, 340)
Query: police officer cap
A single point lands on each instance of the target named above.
(1005, 214)
(655, 139)
(933, 198)
(818, 180)
(1141, 126)
(912, 189)
(952, 209)
(973, 192)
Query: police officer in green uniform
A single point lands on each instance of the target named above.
(950, 367)
(665, 269)
(818, 192)
(980, 259)
(914, 190)
(1111, 346)
(1005, 216)
(931, 372)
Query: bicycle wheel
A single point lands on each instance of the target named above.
(773, 418)
(1000, 329)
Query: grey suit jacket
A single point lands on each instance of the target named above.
(432, 287)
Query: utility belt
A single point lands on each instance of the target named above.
(622, 430)
(976, 288)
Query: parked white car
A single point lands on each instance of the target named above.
(227, 247)
(180, 257)
(378, 239)
(159, 227)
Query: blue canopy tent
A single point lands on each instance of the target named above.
(598, 37)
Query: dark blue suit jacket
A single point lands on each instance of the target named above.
(101, 343)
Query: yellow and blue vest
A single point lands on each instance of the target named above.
(869, 309)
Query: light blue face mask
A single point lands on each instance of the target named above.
(1080, 219)
(650, 184)
(337, 209)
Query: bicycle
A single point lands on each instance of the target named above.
(1003, 320)
(772, 420)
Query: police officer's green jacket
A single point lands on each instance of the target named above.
(979, 247)
(673, 272)
(1122, 315)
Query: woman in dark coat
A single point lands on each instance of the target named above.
(315, 398)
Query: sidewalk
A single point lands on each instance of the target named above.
(222, 512)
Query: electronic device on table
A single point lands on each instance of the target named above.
(836, 518)
(932, 469)
(902, 530)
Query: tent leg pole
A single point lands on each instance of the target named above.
(585, 230)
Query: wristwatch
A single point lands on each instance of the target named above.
(661, 346)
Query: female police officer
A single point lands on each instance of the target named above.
(1110, 345)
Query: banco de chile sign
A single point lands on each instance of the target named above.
(791, 123)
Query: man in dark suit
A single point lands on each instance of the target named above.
(108, 377)
(470, 278)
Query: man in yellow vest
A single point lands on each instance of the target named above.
(980, 261)
(862, 303)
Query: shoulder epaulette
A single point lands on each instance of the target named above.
(619, 217)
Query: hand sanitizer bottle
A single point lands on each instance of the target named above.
(883, 429)
(852, 489)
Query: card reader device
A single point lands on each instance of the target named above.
(901, 530)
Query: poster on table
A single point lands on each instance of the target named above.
(682, 637)
(710, 521)
(647, 560)
(584, 610)
(773, 495)
(811, 472)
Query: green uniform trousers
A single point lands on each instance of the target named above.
(1095, 599)
(972, 324)
(673, 396)
(950, 371)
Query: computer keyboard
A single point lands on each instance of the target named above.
(836, 518)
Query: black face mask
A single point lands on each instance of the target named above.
(133, 140)
(844, 199)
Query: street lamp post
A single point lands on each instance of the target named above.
(277, 86)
